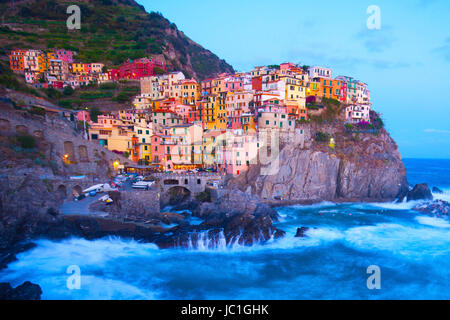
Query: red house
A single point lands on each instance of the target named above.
(257, 83)
(136, 69)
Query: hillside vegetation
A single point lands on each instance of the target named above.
(111, 32)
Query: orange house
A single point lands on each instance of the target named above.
(327, 88)
(17, 60)
(337, 87)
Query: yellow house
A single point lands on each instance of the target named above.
(145, 153)
(77, 68)
(190, 92)
(314, 89)
(221, 112)
(49, 56)
(120, 140)
(209, 111)
(248, 123)
(295, 92)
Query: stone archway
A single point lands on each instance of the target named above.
(178, 194)
(21, 129)
(69, 151)
(5, 125)
(77, 191)
(61, 192)
(83, 153)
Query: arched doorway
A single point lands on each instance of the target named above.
(77, 191)
(61, 192)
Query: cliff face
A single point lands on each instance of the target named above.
(360, 167)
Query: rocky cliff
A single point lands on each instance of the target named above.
(359, 167)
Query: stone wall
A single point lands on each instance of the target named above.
(59, 138)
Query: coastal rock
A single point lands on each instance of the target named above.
(369, 169)
(438, 207)
(26, 291)
(437, 190)
(420, 192)
(301, 232)
(236, 216)
(134, 205)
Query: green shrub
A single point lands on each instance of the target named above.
(94, 113)
(68, 91)
(123, 96)
(108, 86)
(37, 110)
(204, 196)
(322, 137)
(26, 141)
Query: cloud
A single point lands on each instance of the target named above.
(377, 40)
(384, 64)
(444, 50)
(437, 131)
(315, 55)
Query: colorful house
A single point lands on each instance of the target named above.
(17, 60)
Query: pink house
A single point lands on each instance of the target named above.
(239, 154)
(184, 111)
(234, 84)
(163, 147)
(287, 66)
(157, 149)
(65, 55)
(234, 122)
(83, 115)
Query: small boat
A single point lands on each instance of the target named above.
(143, 184)
(96, 188)
(93, 193)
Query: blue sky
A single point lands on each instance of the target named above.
(406, 63)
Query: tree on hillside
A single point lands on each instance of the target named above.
(94, 112)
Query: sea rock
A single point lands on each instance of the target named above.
(438, 207)
(419, 192)
(26, 291)
(241, 217)
(301, 232)
(437, 190)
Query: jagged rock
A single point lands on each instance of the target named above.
(26, 291)
(301, 232)
(437, 190)
(420, 192)
(438, 207)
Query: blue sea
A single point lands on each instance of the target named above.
(411, 250)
